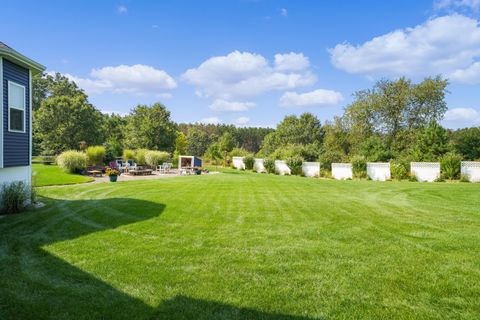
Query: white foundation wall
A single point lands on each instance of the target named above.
(311, 169)
(425, 171)
(341, 171)
(472, 170)
(8, 175)
(281, 167)
(238, 163)
(258, 166)
(379, 171)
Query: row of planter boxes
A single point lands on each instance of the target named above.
(423, 171)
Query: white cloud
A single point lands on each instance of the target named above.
(454, 4)
(242, 121)
(122, 9)
(220, 105)
(243, 75)
(211, 120)
(448, 45)
(291, 62)
(284, 12)
(136, 79)
(465, 115)
(319, 97)
(469, 75)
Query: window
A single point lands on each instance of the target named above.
(16, 107)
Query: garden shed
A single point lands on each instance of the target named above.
(186, 162)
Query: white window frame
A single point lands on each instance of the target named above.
(12, 107)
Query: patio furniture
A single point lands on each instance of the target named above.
(140, 172)
(95, 173)
(164, 168)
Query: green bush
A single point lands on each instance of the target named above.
(465, 178)
(128, 155)
(15, 197)
(295, 165)
(399, 169)
(412, 178)
(249, 162)
(326, 173)
(359, 167)
(95, 155)
(450, 166)
(239, 152)
(140, 156)
(72, 161)
(155, 158)
(269, 165)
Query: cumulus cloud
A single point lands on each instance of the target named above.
(465, 115)
(136, 79)
(220, 105)
(210, 120)
(455, 4)
(245, 75)
(319, 97)
(448, 45)
(242, 121)
(291, 62)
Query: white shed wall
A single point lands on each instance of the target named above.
(341, 171)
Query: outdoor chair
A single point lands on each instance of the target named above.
(165, 167)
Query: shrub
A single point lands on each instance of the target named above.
(439, 179)
(72, 161)
(359, 167)
(249, 162)
(269, 165)
(412, 178)
(140, 156)
(399, 169)
(15, 197)
(325, 173)
(239, 152)
(465, 178)
(450, 165)
(295, 165)
(95, 155)
(155, 158)
(128, 155)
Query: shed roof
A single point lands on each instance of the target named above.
(17, 57)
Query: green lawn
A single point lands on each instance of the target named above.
(48, 175)
(245, 246)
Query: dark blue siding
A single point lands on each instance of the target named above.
(197, 162)
(16, 146)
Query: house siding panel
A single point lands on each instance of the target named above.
(16, 146)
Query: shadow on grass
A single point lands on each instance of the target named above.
(38, 285)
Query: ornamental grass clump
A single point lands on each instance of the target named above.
(72, 161)
(128, 154)
(155, 158)
(15, 197)
(269, 165)
(359, 167)
(450, 166)
(140, 156)
(249, 162)
(295, 165)
(95, 155)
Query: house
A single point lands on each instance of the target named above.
(16, 73)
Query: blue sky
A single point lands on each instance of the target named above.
(250, 62)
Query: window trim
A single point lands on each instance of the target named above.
(16, 108)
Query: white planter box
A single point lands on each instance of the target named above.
(425, 171)
(379, 171)
(472, 170)
(238, 163)
(281, 168)
(258, 166)
(311, 169)
(342, 171)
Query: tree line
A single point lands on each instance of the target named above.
(395, 119)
